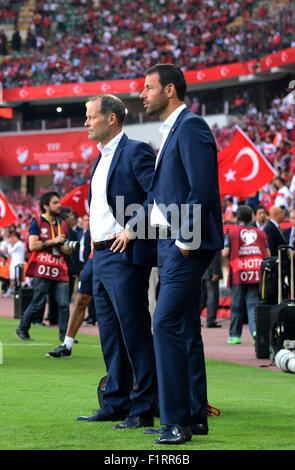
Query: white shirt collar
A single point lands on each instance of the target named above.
(275, 223)
(111, 145)
(168, 123)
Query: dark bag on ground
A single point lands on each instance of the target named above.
(274, 320)
(23, 294)
(268, 285)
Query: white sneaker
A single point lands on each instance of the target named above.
(7, 293)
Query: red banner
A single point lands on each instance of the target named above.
(220, 72)
(73, 89)
(277, 59)
(7, 214)
(243, 170)
(33, 154)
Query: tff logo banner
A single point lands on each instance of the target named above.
(39, 153)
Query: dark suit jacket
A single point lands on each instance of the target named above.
(214, 267)
(87, 245)
(73, 263)
(187, 174)
(130, 176)
(274, 238)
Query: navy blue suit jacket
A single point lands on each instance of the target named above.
(130, 175)
(187, 173)
(274, 238)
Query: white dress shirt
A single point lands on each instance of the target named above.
(157, 217)
(17, 254)
(103, 224)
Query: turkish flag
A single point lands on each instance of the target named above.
(7, 214)
(243, 170)
(77, 199)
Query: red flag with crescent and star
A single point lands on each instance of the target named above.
(243, 169)
(7, 214)
(77, 199)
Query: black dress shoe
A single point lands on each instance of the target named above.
(175, 434)
(134, 422)
(101, 415)
(197, 429)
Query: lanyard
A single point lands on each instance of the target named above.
(51, 225)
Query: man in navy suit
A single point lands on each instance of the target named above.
(190, 231)
(121, 177)
(275, 236)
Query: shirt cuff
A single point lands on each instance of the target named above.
(184, 246)
(131, 234)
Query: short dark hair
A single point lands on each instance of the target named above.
(111, 104)
(65, 212)
(16, 234)
(170, 73)
(257, 208)
(46, 198)
(279, 178)
(244, 213)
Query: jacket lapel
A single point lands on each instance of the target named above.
(173, 129)
(93, 171)
(116, 157)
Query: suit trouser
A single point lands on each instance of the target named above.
(177, 336)
(211, 299)
(121, 304)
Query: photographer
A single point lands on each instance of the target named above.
(48, 246)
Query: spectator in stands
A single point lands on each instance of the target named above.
(3, 43)
(244, 271)
(194, 35)
(16, 41)
(268, 148)
(284, 196)
(229, 215)
(16, 251)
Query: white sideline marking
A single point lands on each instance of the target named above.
(27, 344)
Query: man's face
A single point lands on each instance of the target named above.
(261, 216)
(70, 219)
(54, 206)
(96, 122)
(85, 221)
(153, 95)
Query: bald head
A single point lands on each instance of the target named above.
(277, 213)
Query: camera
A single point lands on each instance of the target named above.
(74, 245)
(285, 360)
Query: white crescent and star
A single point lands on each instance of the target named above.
(231, 174)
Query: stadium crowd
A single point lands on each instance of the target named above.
(87, 40)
